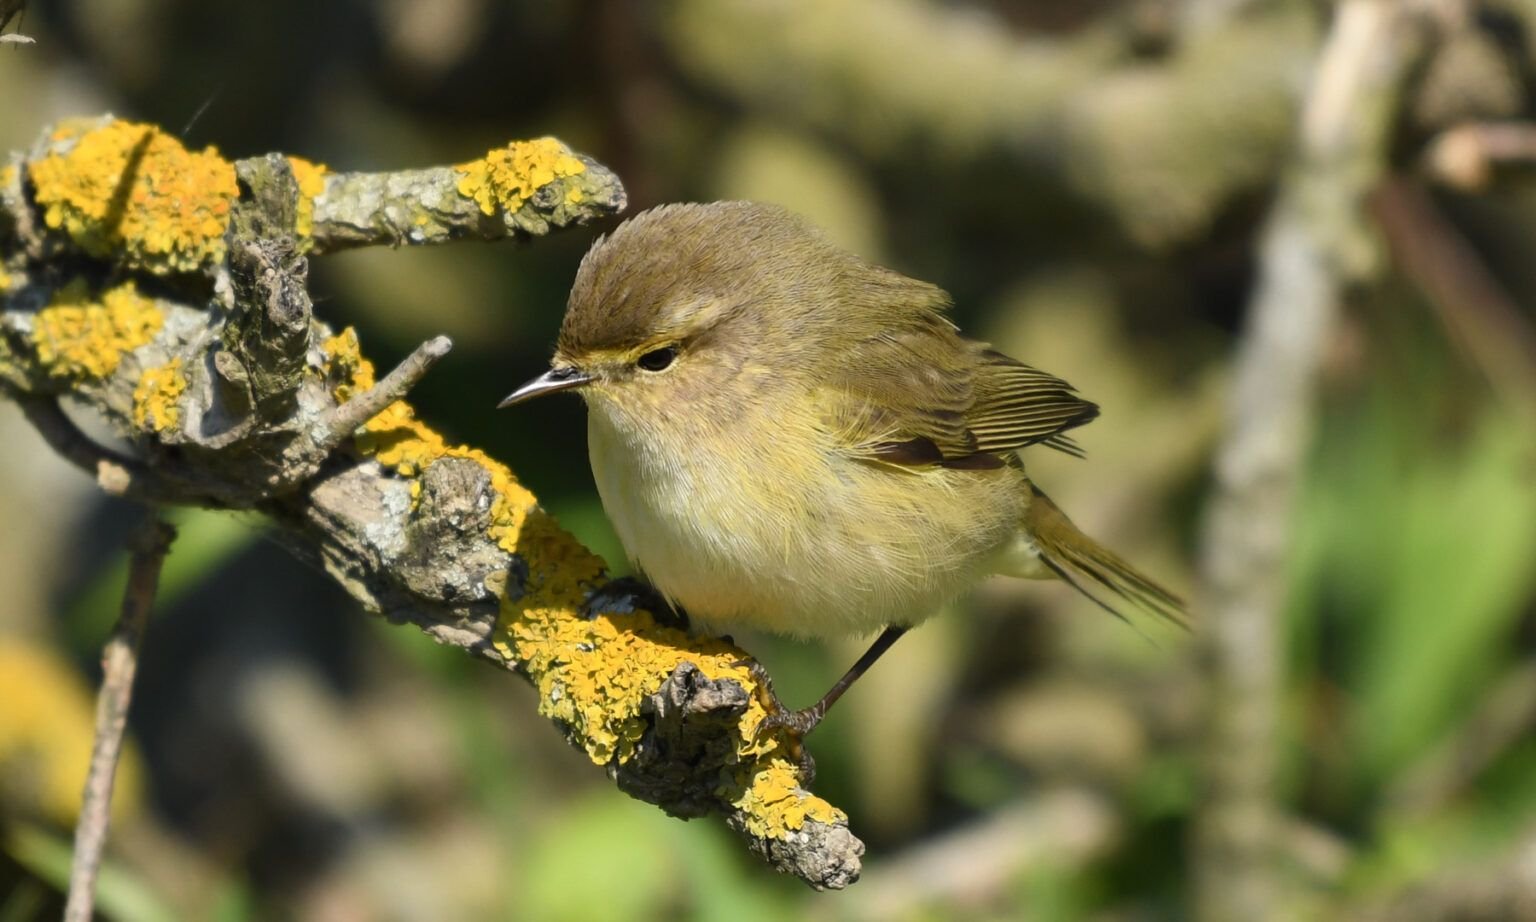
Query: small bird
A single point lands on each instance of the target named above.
(789, 438)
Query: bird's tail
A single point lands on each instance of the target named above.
(1057, 546)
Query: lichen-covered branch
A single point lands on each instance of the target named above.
(164, 290)
(483, 199)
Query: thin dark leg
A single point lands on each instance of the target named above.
(801, 722)
(805, 720)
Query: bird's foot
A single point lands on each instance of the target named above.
(627, 594)
(794, 724)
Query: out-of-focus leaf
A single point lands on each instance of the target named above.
(24, 902)
(121, 895)
(1458, 567)
(602, 857)
(204, 540)
(1420, 552)
(233, 902)
(615, 859)
(47, 723)
(724, 884)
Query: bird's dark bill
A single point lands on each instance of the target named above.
(556, 379)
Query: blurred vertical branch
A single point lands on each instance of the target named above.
(119, 663)
(1315, 246)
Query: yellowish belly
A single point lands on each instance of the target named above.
(810, 543)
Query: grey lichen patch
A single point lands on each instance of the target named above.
(432, 206)
(824, 855)
(446, 557)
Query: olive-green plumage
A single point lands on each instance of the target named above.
(790, 438)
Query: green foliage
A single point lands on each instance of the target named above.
(205, 541)
(121, 895)
(615, 859)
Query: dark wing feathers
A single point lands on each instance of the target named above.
(920, 394)
(1017, 405)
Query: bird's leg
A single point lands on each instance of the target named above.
(801, 722)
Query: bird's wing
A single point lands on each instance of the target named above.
(1018, 405)
(920, 394)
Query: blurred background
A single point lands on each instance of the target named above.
(1089, 179)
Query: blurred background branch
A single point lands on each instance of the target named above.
(1315, 248)
(1095, 183)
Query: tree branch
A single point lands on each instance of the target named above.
(234, 395)
(342, 421)
(114, 473)
(119, 663)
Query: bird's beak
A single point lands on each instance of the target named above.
(556, 379)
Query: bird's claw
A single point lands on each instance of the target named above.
(793, 724)
(627, 593)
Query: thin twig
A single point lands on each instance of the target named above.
(344, 419)
(119, 662)
(1467, 157)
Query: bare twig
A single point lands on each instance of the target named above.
(342, 421)
(1466, 157)
(1313, 248)
(119, 661)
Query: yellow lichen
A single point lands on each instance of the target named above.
(46, 728)
(507, 177)
(311, 180)
(79, 338)
(774, 805)
(592, 673)
(5, 280)
(7, 176)
(129, 191)
(155, 397)
(408, 446)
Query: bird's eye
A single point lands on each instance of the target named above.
(658, 359)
